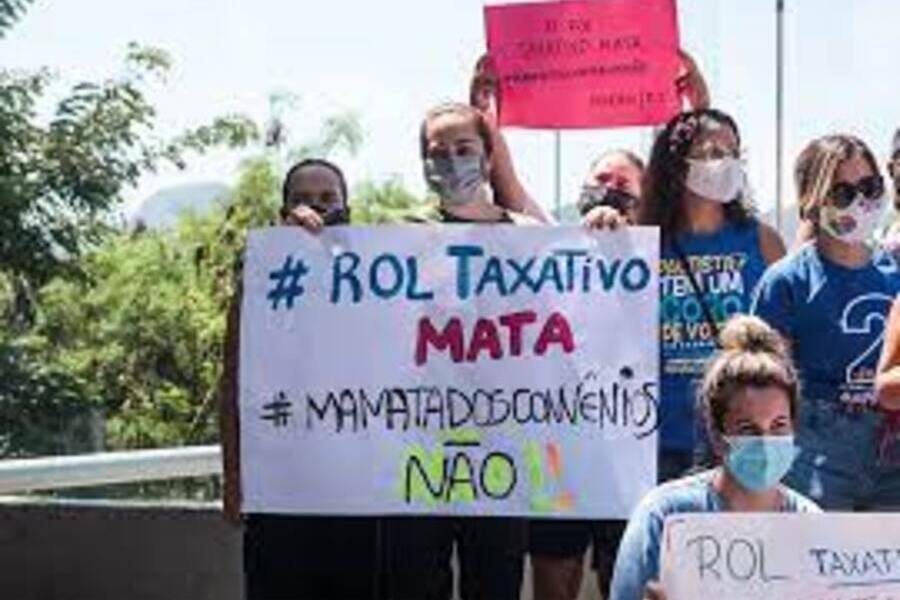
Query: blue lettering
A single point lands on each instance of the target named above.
(636, 275)
(375, 282)
(412, 291)
(608, 274)
(570, 256)
(492, 275)
(340, 275)
(522, 274)
(463, 272)
(550, 272)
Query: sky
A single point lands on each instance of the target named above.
(389, 61)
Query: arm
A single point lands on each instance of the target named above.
(770, 244)
(691, 84)
(228, 413)
(508, 189)
(637, 562)
(887, 382)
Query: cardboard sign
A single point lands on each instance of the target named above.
(457, 370)
(585, 64)
(781, 556)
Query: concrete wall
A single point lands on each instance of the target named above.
(102, 551)
(114, 551)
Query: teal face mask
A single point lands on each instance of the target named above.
(759, 462)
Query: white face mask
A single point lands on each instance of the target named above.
(721, 179)
(855, 224)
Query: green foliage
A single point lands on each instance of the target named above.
(137, 335)
(144, 327)
(59, 179)
(10, 12)
(388, 202)
(42, 406)
(338, 132)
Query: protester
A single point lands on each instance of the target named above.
(714, 250)
(456, 148)
(830, 300)
(609, 199)
(750, 396)
(289, 557)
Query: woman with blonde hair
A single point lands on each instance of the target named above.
(830, 300)
(750, 394)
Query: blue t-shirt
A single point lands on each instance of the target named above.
(727, 266)
(639, 552)
(834, 317)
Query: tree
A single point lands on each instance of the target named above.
(10, 12)
(388, 202)
(142, 330)
(60, 179)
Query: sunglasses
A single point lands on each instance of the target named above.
(843, 194)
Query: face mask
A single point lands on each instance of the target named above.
(593, 196)
(758, 462)
(457, 180)
(719, 179)
(855, 224)
(335, 216)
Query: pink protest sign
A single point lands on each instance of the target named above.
(586, 63)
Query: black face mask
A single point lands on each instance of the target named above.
(601, 195)
(335, 216)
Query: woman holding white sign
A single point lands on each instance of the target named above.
(457, 151)
(294, 556)
(750, 397)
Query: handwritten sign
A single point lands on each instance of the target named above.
(449, 370)
(782, 556)
(585, 64)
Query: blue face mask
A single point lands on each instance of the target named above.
(758, 462)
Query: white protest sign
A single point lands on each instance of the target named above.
(779, 556)
(455, 370)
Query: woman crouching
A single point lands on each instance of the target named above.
(750, 394)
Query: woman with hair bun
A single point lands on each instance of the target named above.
(750, 394)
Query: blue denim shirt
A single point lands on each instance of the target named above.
(638, 560)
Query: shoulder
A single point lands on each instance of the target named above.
(797, 502)
(792, 267)
(688, 494)
(427, 214)
(771, 246)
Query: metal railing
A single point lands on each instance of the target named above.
(60, 472)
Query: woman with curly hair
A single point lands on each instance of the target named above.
(714, 251)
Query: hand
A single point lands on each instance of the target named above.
(604, 217)
(654, 591)
(690, 83)
(305, 217)
(484, 90)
